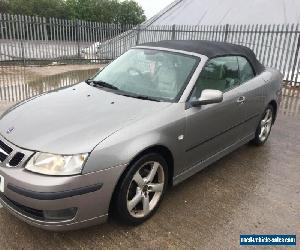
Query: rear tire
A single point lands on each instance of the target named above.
(264, 127)
(141, 190)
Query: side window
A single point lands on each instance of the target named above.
(246, 71)
(221, 73)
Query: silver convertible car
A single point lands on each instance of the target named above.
(150, 119)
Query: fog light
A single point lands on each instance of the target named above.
(64, 214)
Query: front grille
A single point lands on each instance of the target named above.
(17, 158)
(5, 151)
(5, 147)
(9, 155)
(2, 157)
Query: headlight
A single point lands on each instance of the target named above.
(50, 164)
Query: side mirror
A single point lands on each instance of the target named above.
(208, 96)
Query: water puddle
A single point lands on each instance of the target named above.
(21, 83)
(290, 102)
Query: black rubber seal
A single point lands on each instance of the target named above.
(54, 195)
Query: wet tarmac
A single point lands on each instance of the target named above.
(254, 190)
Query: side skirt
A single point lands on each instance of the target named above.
(201, 165)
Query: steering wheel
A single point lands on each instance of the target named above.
(132, 69)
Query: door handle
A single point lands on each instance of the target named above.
(241, 99)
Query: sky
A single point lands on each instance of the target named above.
(152, 7)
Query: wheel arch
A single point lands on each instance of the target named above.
(165, 152)
(273, 103)
(162, 150)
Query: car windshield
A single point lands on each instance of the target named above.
(148, 73)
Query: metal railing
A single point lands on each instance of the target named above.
(28, 39)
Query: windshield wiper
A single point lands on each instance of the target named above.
(142, 97)
(101, 84)
(110, 86)
(145, 97)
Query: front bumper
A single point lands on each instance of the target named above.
(81, 200)
(45, 193)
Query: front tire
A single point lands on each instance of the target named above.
(141, 190)
(264, 127)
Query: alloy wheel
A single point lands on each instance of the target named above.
(265, 125)
(145, 189)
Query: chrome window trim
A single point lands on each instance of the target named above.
(189, 87)
(170, 50)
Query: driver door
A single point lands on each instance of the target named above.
(213, 127)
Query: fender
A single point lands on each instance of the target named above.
(122, 146)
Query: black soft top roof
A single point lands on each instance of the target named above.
(210, 49)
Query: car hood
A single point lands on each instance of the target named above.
(72, 120)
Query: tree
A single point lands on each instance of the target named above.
(107, 11)
(130, 12)
(4, 7)
(46, 8)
